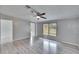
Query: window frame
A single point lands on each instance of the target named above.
(49, 29)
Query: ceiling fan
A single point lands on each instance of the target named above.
(36, 13)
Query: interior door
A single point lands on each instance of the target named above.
(6, 31)
(33, 31)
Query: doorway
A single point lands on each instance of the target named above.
(33, 29)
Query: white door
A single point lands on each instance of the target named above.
(33, 29)
(6, 31)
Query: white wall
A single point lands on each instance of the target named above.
(0, 31)
(0, 28)
(21, 29)
(78, 32)
(39, 29)
(67, 31)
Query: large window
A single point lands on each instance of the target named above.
(52, 29)
(49, 29)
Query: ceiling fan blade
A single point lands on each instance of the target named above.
(44, 17)
(27, 6)
(42, 13)
(32, 10)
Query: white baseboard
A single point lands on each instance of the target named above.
(6, 42)
(16, 39)
(73, 44)
(21, 38)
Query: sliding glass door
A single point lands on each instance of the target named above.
(52, 29)
(6, 31)
(49, 29)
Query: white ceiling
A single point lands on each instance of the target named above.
(53, 12)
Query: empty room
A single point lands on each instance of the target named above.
(39, 29)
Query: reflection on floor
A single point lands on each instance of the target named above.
(37, 46)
